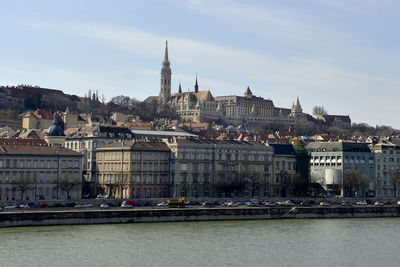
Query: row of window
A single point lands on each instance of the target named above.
(144, 179)
(146, 166)
(134, 156)
(33, 163)
(34, 177)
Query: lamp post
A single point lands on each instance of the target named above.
(58, 171)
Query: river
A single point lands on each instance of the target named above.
(328, 242)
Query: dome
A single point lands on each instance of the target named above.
(57, 129)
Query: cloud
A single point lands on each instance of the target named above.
(257, 18)
(227, 70)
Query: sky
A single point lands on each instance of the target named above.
(339, 54)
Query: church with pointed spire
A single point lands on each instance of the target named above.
(200, 106)
(165, 88)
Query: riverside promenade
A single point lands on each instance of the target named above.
(143, 215)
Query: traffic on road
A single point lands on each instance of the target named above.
(183, 203)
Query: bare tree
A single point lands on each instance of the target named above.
(353, 181)
(253, 181)
(23, 183)
(118, 184)
(69, 183)
(184, 182)
(394, 180)
(319, 111)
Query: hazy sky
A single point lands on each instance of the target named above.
(342, 54)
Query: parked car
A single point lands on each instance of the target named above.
(163, 204)
(43, 205)
(35, 206)
(24, 206)
(85, 205)
(145, 204)
(378, 203)
(324, 203)
(286, 203)
(104, 206)
(193, 203)
(208, 204)
(270, 204)
(69, 205)
(361, 202)
(253, 202)
(10, 206)
(55, 205)
(345, 203)
(231, 204)
(126, 205)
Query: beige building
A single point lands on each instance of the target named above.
(197, 106)
(42, 119)
(252, 109)
(219, 168)
(38, 119)
(31, 170)
(387, 160)
(86, 140)
(134, 169)
(284, 177)
(201, 106)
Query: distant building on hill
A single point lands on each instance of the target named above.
(202, 106)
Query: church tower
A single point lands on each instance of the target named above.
(165, 90)
(196, 86)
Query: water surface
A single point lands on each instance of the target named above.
(328, 242)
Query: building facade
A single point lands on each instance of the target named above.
(219, 168)
(86, 140)
(387, 158)
(32, 170)
(201, 106)
(284, 177)
(134, 169)
(342, 168)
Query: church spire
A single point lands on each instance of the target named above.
(165, 90)
(196, 86)
(179, 88)
(166, 51)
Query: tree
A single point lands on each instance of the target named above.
(184, 183)
(394, 180)
(33, 101)
(228, 182)
(319, 111)
(353, 182)
(23, 184)
(68, 183)
(118, 184)
(253, 180)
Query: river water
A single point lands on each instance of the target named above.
(329, 242)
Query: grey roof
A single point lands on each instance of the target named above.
(283, 149)
(338, 146)
(162, 133)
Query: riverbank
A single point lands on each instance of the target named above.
(145, 215)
